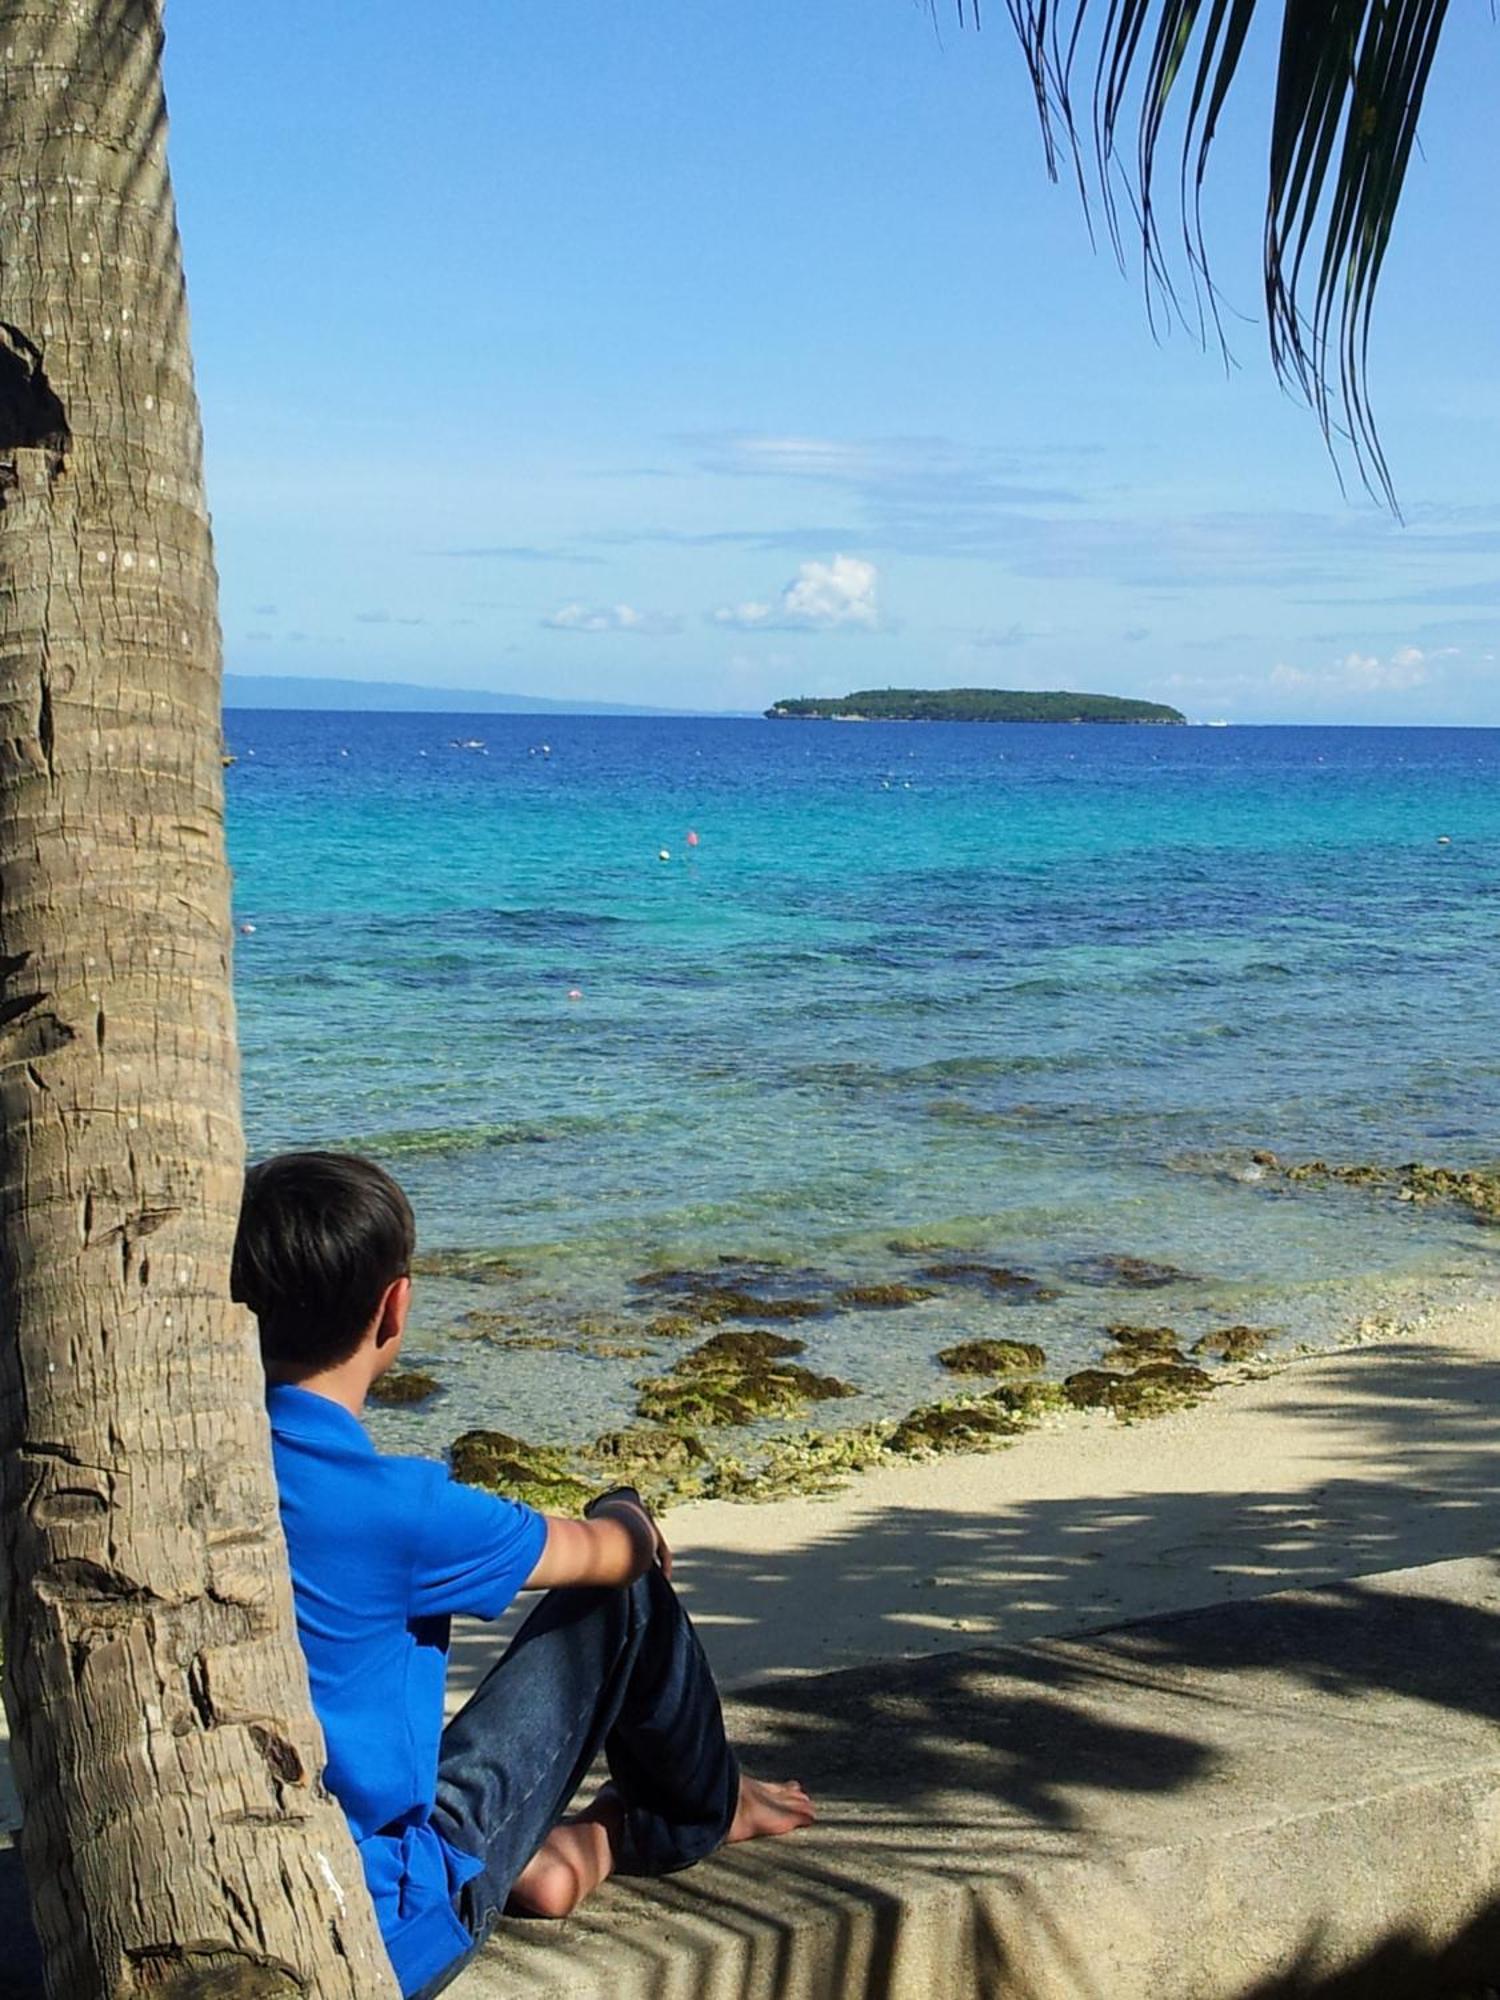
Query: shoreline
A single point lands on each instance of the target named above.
(1375, 1455)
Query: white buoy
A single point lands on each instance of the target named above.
(664, 854)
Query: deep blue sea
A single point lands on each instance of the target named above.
(1031, 993)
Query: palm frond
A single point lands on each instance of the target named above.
(1350, 81)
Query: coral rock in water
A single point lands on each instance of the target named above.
(537, 1474)
(883, 1298)
(1151, 1391)
(402, 1388)
(1234, 1343)
(993, 1357)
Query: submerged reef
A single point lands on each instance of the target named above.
(1476, 1189)
(600, 1339)
(736, 1288)
(479, 1266)
(1015, 1287)
(700, 1423)
(742, 1375)
(1134, 1273)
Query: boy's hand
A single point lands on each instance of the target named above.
(624, 1503)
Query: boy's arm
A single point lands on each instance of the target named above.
(616, 1545)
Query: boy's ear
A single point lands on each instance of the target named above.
(394, 1305)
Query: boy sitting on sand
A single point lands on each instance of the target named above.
(457, 1824)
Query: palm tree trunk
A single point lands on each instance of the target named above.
(177, 1838)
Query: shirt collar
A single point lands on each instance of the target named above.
(303, 1413)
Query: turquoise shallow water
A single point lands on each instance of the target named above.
(1031, 992)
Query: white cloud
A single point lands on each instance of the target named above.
(611, 618)
(1358, 673)
(821, 597)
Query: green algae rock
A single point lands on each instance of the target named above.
(1144, 1340)
(734, 1378)
(1092, 1388)
(1129, 1360)
(1030, 1400)
(663, 1465)
(1015, 1287)
(706, 1401)
(738, 1349)
(1475, 1189)
(1234, 1343)
(993, 1357)
(404, 1388)
(882, 1298)
(733, 1304)
(1153, 1390)
(538, 1474)
(942, 1427)
(646, 1448)
(813, 1462)
(674, 1326)
(711, 1398)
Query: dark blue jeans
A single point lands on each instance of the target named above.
(614, 1671)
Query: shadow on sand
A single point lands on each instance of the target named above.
(925, 1752)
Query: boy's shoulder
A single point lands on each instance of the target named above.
(316, 1440)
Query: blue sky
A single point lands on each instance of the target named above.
(704, 354)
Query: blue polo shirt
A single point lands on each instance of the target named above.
(383, 1552)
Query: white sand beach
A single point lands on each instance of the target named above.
(1377, 1456)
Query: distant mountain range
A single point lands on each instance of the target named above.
(294, 691)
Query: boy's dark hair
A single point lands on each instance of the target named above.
(321, 1236)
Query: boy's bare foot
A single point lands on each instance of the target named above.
(767, 1809)
(580, 1852)
(577, 1855)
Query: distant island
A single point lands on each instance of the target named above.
(972, 705)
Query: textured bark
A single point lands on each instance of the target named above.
(177, 1840)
